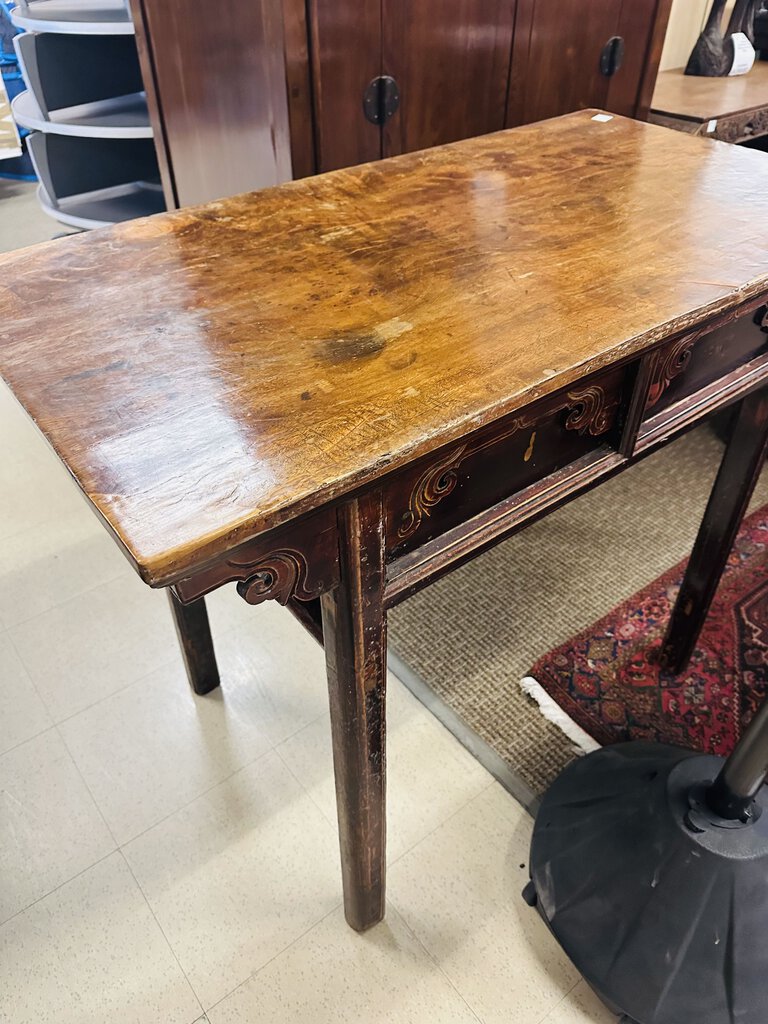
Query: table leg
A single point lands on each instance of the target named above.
(736, 479)
(354, 631)
(194, 633)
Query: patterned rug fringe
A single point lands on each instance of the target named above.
(553, 713)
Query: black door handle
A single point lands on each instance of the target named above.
(612, 56)
(381, 99)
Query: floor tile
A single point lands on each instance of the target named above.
(154, 746)
(41, 568)
(429, 774)
(35, 488)
(459, 891)
(91, 953)
(50, 829)
(236, 876)
(283, 667)
(227, 610)
(96, 643)
(580, 1006)
(27, 500)
(22, 713)
(332, 975)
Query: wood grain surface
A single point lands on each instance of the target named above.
(450, 59)
(211, 373)
(700, 99)
(220, 110)
(345, 55)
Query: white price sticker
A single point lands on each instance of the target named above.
(743, 54)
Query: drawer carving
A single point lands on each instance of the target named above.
(462, 480)
(670, 363)
(435, 483)
(688, 364)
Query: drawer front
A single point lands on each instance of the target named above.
(684, 366)
(464, 479)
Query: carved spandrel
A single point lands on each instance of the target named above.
(589, 412)
(739, 127)
(431, 487)
(298, 562)
(278, 577)
(670, 363)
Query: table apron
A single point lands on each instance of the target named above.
(443, 510)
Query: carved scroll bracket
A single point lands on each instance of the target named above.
(670, 363)
(431, 487)
(278, 577)
(439, 479)
(299, 562)
(589, 413)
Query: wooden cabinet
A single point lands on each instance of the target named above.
(345, 41)
(451, 61)
(449, 58)
(556, 62)
(249, 95)
(216, 82)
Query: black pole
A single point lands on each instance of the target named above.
(732, 793)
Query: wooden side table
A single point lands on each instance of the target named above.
(334, 392)
(728, 109)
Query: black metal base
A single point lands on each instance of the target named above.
(661, 905)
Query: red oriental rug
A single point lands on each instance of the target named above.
(608, 679)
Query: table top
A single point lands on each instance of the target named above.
(703, 99)
(210, 373)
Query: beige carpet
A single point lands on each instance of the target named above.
(473, 635)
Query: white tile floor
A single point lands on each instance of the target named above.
(162, 855)
(171, 859)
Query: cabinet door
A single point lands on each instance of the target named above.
(450, 59)
(636, 25)
(557, 50)
(346, 55)
(216, 84)
(556, 62)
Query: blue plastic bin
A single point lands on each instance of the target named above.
(18, 167)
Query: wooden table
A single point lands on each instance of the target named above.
(334, 392)
(727, 109)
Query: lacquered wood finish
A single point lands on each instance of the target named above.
(354, 631)
(222, 105)
(333, 393)
(742, 463)
(450, 59)
(153, 103)
(299, 562)
(231, 367)
(556, 57)
(194, 633)
(346, 54)
(437, 494)
(689, 363)
(703, 98)
(637, 21)
(727, 109)
(653, 58)
(299, 84)
(562, 62)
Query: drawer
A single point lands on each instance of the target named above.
(690, 363)
(462, 480)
